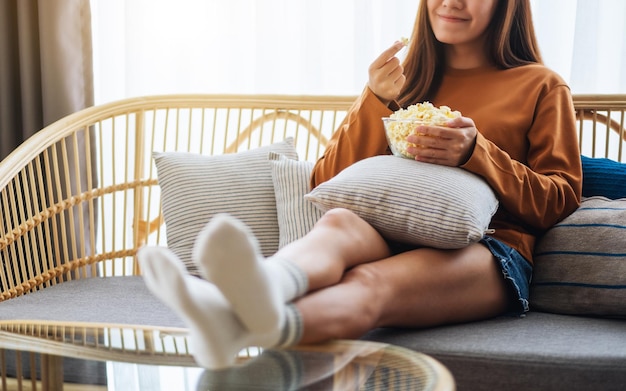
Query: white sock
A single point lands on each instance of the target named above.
(227, 254)
(291, 330)
(216, 333)
(291, 281)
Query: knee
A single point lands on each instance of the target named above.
(371, 298)
(352, 314)
(367, 277)
(345, 230)
(338, 218)
(346, 224)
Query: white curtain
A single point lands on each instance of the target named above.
(242, 46)
(147, 47)
(585, 41)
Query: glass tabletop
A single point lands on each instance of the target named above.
(57, 356)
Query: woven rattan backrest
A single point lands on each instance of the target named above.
(602, 125)
(54, 227)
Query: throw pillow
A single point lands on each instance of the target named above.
(580, 263)
(195, 187)
(296, 216)
(412, 202)
(603, 177)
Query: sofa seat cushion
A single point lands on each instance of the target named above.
(540, 351)
(110, 300)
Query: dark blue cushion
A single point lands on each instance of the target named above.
(603, 177)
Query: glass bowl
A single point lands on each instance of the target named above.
(397, 130)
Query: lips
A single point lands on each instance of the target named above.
(452, 18)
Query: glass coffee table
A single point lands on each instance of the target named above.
(51, 356)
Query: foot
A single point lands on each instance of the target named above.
(216, 334)
(228, 255)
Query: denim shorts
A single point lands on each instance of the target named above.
(516, 270)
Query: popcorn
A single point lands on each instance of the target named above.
(402, 123)
(426, 112)
(404, 40)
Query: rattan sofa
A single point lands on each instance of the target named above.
(68, 246)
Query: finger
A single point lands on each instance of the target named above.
(424, 154)
(425, 133)
(381, 60)
(397, 73)
(400, 81)
(432, 155)
(460, 122)
(388, 80)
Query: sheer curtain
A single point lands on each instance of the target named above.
(585, 41)
(314, 47)
(242, 46)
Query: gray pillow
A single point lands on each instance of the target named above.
(412, 202)
(296, 215)
(195, 187)
(580, 263)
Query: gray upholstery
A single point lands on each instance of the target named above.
(124, 300)
(540, 351)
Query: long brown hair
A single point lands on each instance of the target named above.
(510, 37)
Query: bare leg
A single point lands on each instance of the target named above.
(222, 321)
(227, 254)
(340, 240)
(421, 288)
(355, 285)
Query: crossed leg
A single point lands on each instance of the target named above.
(353, 285)
(417, 289)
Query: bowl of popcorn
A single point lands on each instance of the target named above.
(403, 123)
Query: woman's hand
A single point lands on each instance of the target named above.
(449, 145)
(386, 75)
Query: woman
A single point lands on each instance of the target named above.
(343, 279)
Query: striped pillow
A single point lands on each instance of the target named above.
(296, 216)
(195, 187)
(412, 202)
(580, 263)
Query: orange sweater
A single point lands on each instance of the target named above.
(526, 148)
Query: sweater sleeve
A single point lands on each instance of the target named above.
(360, 135)
(547, 187)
